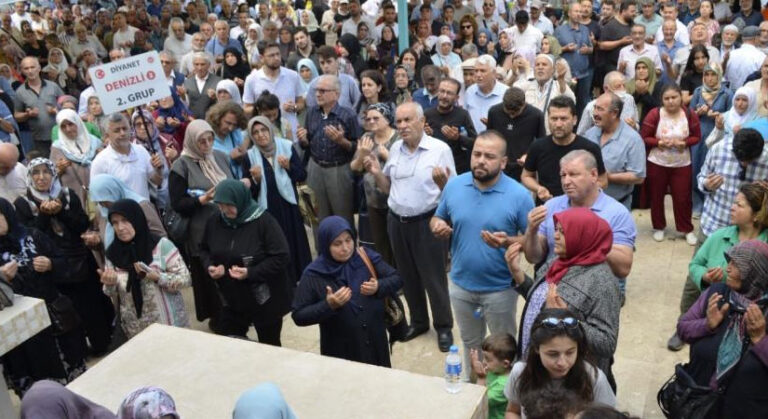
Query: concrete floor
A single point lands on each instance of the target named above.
(642, 362)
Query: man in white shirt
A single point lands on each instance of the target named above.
(698, 37)
(522, 35)
(126, 161)
(13, 175)
(178, 42)
(543, 88)
(20, 15)
(197, 44)
(123, 34)
(745, 60)
(355, 17)
(389, 14)
(83, 41)
(669, 12)
(637, 49)
(415, 174)
(538, 20)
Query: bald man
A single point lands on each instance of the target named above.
(35, 104)
(13, 175)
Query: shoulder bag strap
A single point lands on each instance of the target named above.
(364, 256)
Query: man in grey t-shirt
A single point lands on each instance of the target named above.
(35, 104)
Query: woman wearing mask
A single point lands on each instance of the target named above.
(58, 213)
(726, 329)
(31, 263)
(749, 221)
(245, 253)
(375, 143)
(191, 184)
(341, 294)
(669, 131)
(582, 241)
(73, 153)
(274, 168)
(559, 353)
(144, 273)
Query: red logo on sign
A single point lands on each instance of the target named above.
(99, 74)
(150, 60)
(151, 75)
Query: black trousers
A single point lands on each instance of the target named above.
(420, 259)
(236, 323)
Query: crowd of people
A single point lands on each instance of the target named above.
(506, 130)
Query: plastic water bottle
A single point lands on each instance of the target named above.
(453, 370)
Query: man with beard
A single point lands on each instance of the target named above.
(451, 124)
(282, 82)
(304, 49)
(541, 172)
(414, 176)
(484, 208)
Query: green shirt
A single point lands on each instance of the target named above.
(711, 254)
(92, 129)
(497, 402)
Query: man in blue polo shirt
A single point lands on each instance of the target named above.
(480, 211)
(578, 171)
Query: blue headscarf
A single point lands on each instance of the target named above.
(264, 401)
(107, 188)
(306, 62)
(179, 111)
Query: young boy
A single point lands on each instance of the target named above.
(499, 353)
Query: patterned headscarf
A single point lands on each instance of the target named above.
(147, 402)
(53, 190)
(383, 109)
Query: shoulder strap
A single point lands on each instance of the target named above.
(367, 261)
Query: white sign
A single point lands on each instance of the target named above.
(129, 82)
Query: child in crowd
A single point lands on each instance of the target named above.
(499, 352)
(557, 354)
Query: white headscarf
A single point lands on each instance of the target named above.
(80, 146)
(733, 118)
(59, 68)
(230, 87)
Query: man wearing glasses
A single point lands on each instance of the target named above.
(330, 134)
(414, 176)
(490, 20)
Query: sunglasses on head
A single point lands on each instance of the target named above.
(565, 322)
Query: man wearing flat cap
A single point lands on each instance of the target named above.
(745, 60)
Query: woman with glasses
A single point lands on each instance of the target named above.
(375, 143)
(579, 279)
(749, 221)
(559, 355)
(726, 329)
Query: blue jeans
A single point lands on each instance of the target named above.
(698, 154)
(583, 91)
(497, 312)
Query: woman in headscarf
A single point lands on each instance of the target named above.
(235, 68)
(351, 53)
(49, 399)
(245, 252)
(388, 44)
(172, 116)
(709, 100)
(146, 134)
(56, 71)
(285, 42)
(59, 214)
(578, 279)
(265, 401)
(191, 184)
(148, 403)
(31, 263)
(444, 57)
(484, 40)
(644, 87)
(726, 328)
(341, 294)
(743, 110)
(307, 71)
(379, 137)
(307, 19)
(274, 168)
(227, 91)
(144, 272)
(761, 87)
(73, 153)
(252, 43)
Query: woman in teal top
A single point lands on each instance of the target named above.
(749, 220)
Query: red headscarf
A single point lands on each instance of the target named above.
(588, 239)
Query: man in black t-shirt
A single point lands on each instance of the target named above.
(541, 172)
(451, 124)
(519, 124)
(615, 35)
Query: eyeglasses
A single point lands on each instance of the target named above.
(566, 322)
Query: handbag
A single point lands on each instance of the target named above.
(176, 226)
(681, 398)
(64, 317)
(6, 294)
(394, 310)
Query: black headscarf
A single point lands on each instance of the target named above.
(11, 241)
(123, 255)
(352, 45)
(241, 69)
